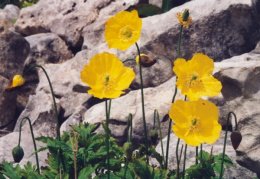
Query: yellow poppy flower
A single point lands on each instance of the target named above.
(106, 76)
(196, 122)
(184, 18)
(17, 81)
(194, 77)
(123, 30)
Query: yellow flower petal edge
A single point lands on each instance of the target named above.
(195, 122)
(194, 77)
(106, 76)
(17, 81)
(123, 30)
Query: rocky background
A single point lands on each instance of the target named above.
(62, 35)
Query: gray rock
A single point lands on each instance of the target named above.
(7, 105)
(65, 18)
(10, 12)
(8, 142)
(234, 171)
(225, 28)
(155, 98)
(240, 80)
(41, 111)
(47, 48)
(14, 50)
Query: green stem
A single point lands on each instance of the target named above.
(197, 154)
(184, 162)
(156, 114)
(169, 131)
(130, 128)
(173, 99)
(56, 115)
(177, 158)
(142, 98)
(179, 41)
(33, 138)
(201, 152)
(225, 141)
(53, 99)
(108, 107)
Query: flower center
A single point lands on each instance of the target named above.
(126, 33)
(107, 80)
(193, 127)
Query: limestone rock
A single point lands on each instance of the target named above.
(47, 48)
(234, 171)
(8, 16)
(65, 18)
(155, 98)
(8, 142)
(40, 110)
(14, 50)
(7, 105)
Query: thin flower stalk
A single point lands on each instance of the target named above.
(173, 99)
(156, 115)
(143, 109)
(33, 138)
(184, 161)
(108, 108)
(225, 141)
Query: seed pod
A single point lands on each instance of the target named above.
(18, 154)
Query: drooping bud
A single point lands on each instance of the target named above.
(145, 61)
(17, 81)
(18, 154)
(236, 139)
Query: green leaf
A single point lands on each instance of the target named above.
(86, 172)
(167, 5)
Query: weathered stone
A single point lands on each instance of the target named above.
(40, 110)
(8, 16)
(155, 98)
(10, 13)
(47, 48)
(234, 171)
(8, 142)
(65, 18)
(7, 105)
(14, 50)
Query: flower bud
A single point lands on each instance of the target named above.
(18, 153)
(185, 15)
(145, 61)
(17, 81)
(154, 136)
(236, 139)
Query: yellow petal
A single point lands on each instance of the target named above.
(202, 64)
(17, 81)
(180, 66)
(123, 30)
